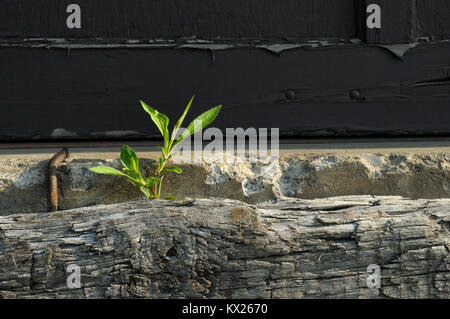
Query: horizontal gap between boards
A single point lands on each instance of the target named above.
(284, 142)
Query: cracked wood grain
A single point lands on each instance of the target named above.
(219, 248)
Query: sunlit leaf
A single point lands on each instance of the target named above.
(180, 121)
(200, 123)
(112, 171)
(174, 169)
(107, 171)
(145, 190)
(150, 182)
(161, 121)
(128, 158)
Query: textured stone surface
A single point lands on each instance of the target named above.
(218, 248)
(413, 175)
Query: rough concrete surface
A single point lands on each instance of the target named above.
(220, 248)
(412, 173)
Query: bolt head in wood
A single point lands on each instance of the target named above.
(290, 94)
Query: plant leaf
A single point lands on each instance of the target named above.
(174, 169)
(137, 176)
(171, 198)
(161, 121)
(107, 171)
(205, 119)
(128, 158)
(135, 183)
(180, 121)
(112, 171)
(150, 182)
(145, 190)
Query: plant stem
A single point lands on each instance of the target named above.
(155, 185)
(158, 178)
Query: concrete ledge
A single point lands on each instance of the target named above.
(409, 169)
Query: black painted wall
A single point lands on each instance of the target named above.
(309, 67)
(180, 18)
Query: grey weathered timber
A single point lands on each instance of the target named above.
(222, 248)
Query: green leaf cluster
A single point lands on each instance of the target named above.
(151, 187)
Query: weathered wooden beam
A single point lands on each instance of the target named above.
(222, 248)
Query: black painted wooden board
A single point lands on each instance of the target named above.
(406, 21)
(96, 90)
(433, 18)
(402, 20)
(93, 91)
(396, 20)
(306, 19)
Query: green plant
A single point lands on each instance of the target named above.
(151, 187)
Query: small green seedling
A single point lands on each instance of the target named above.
(152, 186)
